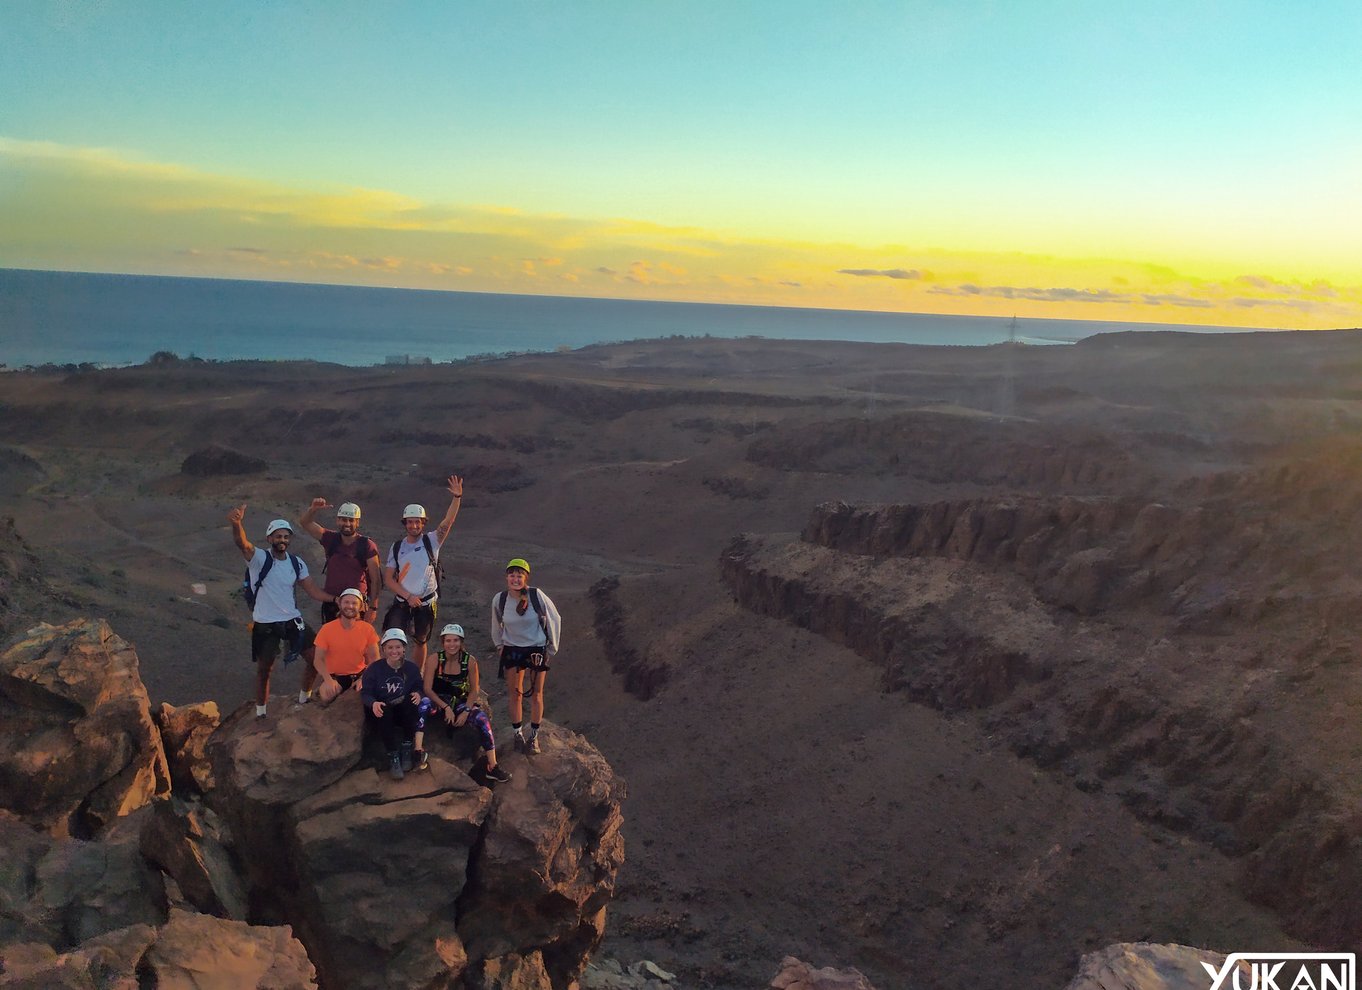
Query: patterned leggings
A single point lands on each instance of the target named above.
(477, 718)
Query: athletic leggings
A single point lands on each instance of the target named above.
(476, 717)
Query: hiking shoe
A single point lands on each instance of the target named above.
(395, 766)
(498, 774)
(405, 756)
(532, 745)
(421, 759)
(519, 742)
(259, 711)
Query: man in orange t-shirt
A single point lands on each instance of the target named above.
(345, 646)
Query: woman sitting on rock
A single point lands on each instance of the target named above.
(452, 689)
(391, 692)
(525, 628)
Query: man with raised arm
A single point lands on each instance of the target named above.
(411, 573)
(351, 562)
(271, 578)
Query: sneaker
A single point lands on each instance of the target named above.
(395, 766)
(259, 711)
(304, 697)
(519, 742)
(532, 745)
(421, 759)
(498, 774)
(405, 756)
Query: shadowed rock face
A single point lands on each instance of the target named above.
(78, 747)
(419, 882)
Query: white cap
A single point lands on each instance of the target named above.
(348, 510)
(396, 634)
(453, 629)
(351, 591)
(278, 524)
(414, 511)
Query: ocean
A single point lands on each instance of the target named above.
(73, 317)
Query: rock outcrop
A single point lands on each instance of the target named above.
(435, 881)
(184, 733)
(433, 878)
(78, 747)
(797, 975)
(215, 461)
(188, 951)
(1145, 966)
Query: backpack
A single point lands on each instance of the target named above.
(434, 563)
(535, 602)
(249, 593)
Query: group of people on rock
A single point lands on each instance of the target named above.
(401, 686)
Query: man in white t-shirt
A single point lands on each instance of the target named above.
(410, 573)
(272, 576)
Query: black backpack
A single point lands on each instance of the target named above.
(434, 562)
(535, 602)
(249, 593)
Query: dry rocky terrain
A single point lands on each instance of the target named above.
(949, 664)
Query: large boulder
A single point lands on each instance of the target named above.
(65, 891)
(78, 747)
(185, 840)
(189, 952)
(427, 881)
(1147, 966)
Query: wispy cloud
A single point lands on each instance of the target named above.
(905, 274)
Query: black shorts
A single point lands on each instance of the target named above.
(346, 681)
(415, 622)
(268, 637)
(524, 658)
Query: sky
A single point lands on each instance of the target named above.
(1178, 162)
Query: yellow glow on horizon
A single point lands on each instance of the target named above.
(99, 209)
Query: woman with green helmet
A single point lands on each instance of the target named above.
(525, 628)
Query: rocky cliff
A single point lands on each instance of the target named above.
(281, 858)
(1130, 644)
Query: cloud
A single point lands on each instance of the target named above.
(1170, 299)
(793, 285)
(606, 271)
(1061, 294)
(899, 273)
(247, 250)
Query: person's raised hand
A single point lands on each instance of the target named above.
(456, 486)
(236, 514)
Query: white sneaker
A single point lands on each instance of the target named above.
(259, 711)
(304, 697)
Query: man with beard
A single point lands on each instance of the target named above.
(271, 577)
(345, 646)
(351, 562)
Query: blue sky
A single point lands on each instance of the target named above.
(1217, 140)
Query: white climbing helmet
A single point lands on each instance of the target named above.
(414, 511)
(277, 525)
(353, 592)
(348, 510)
(396, 634)
(453, 629)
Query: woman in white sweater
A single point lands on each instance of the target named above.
(525, 628)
